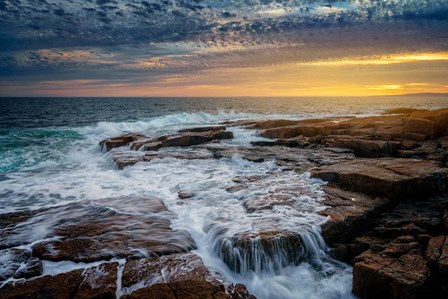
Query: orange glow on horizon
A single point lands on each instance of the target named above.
(358, 76)
(383, 60)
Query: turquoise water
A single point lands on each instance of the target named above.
(24, 148)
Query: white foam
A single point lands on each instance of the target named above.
(88, 174)
(120, 268)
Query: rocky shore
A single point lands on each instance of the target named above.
(386, 207)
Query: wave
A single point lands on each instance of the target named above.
(172, 122)
(31, 148)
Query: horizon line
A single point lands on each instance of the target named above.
(295, 96)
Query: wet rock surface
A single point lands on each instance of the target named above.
(185, 138)
(175, 276)
(253, 252)
(155, 260)
(110, 143)
(124, 159)
(19, 264)
(188, 137)
(101, 232)
(95, 282)
(399, 271)
(168, 276)
(124, 227)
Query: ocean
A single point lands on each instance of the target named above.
(50, 157)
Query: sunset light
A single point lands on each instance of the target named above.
(224, 149)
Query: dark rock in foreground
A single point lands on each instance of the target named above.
(123, 227)
(170, 276)
(399, 271)
(263, 251)
(95, 282)
(175, 276)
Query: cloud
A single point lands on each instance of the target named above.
(152, 40)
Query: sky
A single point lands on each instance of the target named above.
(223, 47)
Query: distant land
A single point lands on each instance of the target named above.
(426, 94)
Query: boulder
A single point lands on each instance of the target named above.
(255, 251)
(110, 143)
(9, 223)
(392, 178)
(175, 276)
(184, 194)
(275, 123)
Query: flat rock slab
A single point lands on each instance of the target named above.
(184, 138)
(417, 218)
(418, 125)
(299, 159)
(163, 269)
(103, 229)
(392, 178)
(350, 214)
